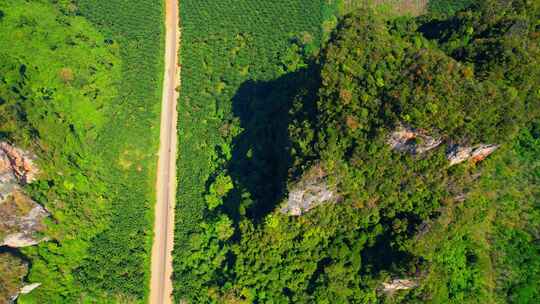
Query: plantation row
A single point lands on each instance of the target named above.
(120, 262)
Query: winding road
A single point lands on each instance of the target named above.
(161, 271)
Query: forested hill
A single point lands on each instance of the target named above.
(410, 148)
(358, 151)
(403, 124)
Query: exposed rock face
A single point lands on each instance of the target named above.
(458, 154)
(413, 141)
(398, 284)
(13, 269)
(21, 219)
(25, 290)
(28, 288)
(311, 191)
(17, 164)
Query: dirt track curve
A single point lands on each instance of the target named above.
(160, 283)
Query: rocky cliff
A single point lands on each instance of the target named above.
(416, 141)
(398, 284)
(13, 269)
(458, 154)
(21, 219)
(413, 141)
(17, 165)
(309, 192)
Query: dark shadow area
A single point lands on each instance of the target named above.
(4, 136)
(439, 29)
(261, 156)
(318, 274)
(14, 252)
(19, 255)
(383, 256)
(534, 126)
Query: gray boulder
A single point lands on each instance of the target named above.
(458, 154)
(398, 284)
(413, 141)
(309, 192)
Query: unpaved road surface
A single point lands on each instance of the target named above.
(160, 283)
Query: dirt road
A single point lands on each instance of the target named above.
(160, 284)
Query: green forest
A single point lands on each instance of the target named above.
(330, 151)
(229, 60)
(275, 99)
(80, 86)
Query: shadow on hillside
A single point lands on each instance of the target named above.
(16, 254)
(261, 156)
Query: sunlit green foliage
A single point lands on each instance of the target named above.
(75, 94)
(483, 249)
(120, 256)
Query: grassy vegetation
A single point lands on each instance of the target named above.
(121, 255)
(407, 7)
(80, 86)
(393, 7)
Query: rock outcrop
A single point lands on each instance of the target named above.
(458, 154)
(398, 284)
(16, 164)
(24, 290)
(413, 141)
(311, 191)
(13, 270)
(21, 219)
(28, 288)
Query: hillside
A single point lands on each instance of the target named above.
(328, 151)
(371, 171)
(82, 104)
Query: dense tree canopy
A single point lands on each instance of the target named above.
(466, 78)
(274, 93)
